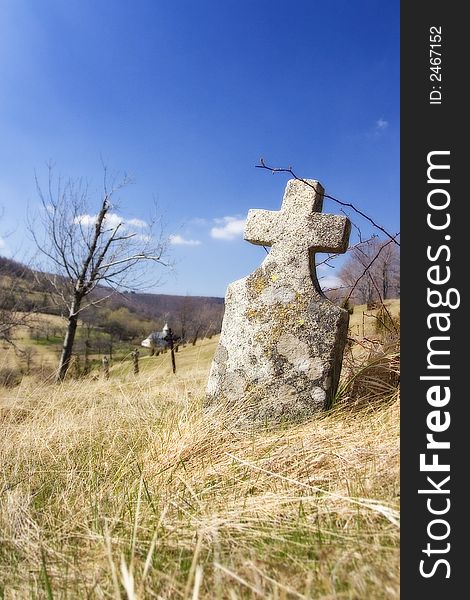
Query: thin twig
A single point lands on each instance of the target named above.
(289, 170)
(367, 269)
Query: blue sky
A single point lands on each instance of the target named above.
(187, 96)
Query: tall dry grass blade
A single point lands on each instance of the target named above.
(197, 582)
(239, 579)
(127, 579)
(47, 581)
(136, 521)
(192, 569)
(280, 585)
(387, 511)
(153, 544)
(109, 555)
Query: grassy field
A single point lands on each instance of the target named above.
(38, 346)
(129, 488)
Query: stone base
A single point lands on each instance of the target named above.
(280, 351)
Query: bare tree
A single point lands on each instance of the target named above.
(9, 321)
(184, 315)
(90, 255)
(16, 309)
(197, 318)
(211, 320)
(371, 271)
(387, 271)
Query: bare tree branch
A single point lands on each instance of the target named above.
(367, 268)
(87, 250)
(289, 170)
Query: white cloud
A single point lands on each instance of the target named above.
(231, 228)
(179, 240)
(329, 282)
(326, 279)
(85, 220)
(4, 249)
(381, 124)
(137, 223)
(111, 220)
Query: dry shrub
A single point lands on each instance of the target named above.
(387, 325)
(10, 377)
(373, 379)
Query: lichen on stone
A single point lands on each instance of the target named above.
(256, 283)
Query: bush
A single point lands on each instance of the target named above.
(10, 377)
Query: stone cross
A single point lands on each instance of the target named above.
(282, 340)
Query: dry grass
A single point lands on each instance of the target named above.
(363, 321)
(128, 488)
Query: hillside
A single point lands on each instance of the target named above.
(113, 327)
(19, 277)
(131, 488)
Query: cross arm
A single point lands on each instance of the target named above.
(331, 233)
(262, 227)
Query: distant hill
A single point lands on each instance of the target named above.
(157, 306)
(13, 268)
(25, 289)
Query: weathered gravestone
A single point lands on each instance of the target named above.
(282, 340)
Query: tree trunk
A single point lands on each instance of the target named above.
(69, 339)
(385, 284)
(87, 368)
(196, 335)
